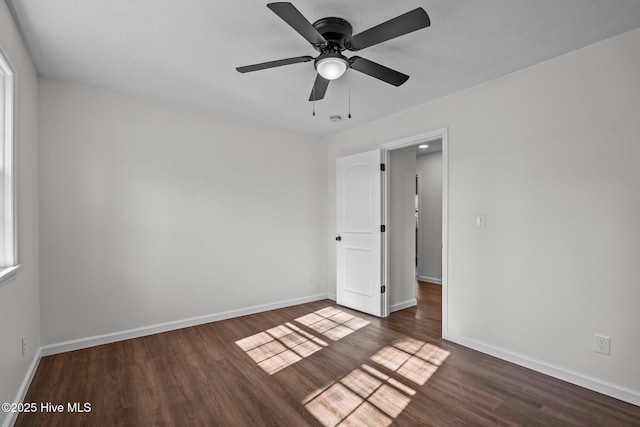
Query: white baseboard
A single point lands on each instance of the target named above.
(81, 343)
(609, 389)
(24, 387)
(332, 297)
(430, 280)
(403, 305)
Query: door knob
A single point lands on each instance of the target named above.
(338, 238)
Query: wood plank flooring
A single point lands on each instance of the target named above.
(310, 365)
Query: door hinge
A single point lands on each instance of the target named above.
(383, 228)
(383, 289)
(382, 167)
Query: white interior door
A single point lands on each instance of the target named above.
(358, 238)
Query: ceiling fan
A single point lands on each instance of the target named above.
(332, 36)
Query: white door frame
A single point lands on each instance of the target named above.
(386, 148)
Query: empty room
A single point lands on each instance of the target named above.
(333, 213)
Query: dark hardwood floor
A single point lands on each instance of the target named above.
(312, 364)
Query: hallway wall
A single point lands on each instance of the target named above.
(429, 168)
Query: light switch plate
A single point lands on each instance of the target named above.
(481, 221)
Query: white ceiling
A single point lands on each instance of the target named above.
(186, 51)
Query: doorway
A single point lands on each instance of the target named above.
(429, 212)
(404, 282)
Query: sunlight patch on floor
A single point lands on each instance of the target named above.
(333, 323)
(367, 396)
(279, 347)
(363, 397)
(415, 360)
(284, 345)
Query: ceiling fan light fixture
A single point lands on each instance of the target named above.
(332, 35)
(331, 67)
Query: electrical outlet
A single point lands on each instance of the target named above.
(602, 344)
(24, 345)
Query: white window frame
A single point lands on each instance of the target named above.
(8, 218)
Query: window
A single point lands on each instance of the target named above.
(8, 250)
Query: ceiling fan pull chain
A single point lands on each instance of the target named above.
(314, 94)
(349, 93)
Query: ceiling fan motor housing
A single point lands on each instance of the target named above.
(336, 31)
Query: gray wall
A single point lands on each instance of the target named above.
(151, 213)
(20, 297)
(429, 168)
(402, 231)
(550, 155)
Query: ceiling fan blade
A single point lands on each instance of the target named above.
(378, 71)
(398, 26)
(298, 22)
(271, 64)
(319, 88)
